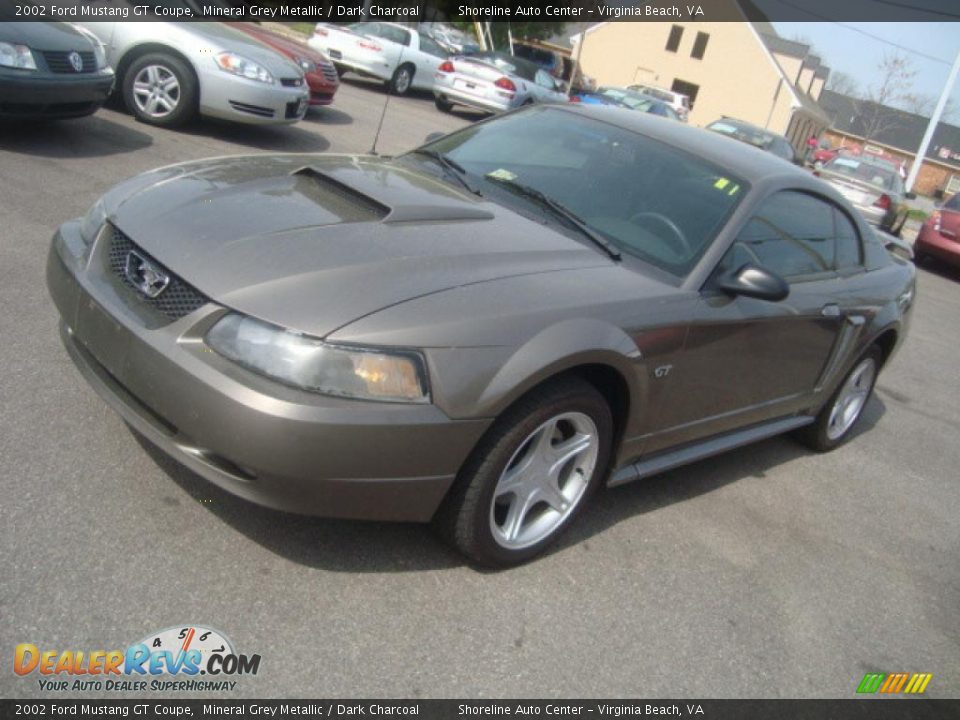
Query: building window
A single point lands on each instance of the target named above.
(699, 45)
(673, 42)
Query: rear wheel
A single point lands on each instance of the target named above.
(442, 105)
(839, 416)
(160, 89)
(531, 475)
(402, 80)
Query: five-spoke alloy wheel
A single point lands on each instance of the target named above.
(531, 474)
(160, 90)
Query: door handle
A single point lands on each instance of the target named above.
(830, 310)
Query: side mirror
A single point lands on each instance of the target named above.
(910, 195)
(756, 282)
(433, 136)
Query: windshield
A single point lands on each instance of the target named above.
(744, 133)
(870, 173)
(646, 198)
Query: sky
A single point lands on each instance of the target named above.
(846, 48)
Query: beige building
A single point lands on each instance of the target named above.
(735, 69)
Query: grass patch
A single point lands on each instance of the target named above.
(918, 215)
(304, 28)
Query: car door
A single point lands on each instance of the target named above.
(429, 55)
(747, 360)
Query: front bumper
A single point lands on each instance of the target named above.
(267, 443)
(41, 94)
(230, 97)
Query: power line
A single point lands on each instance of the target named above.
(865, 33)
(905, 6)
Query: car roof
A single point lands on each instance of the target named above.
(749, 163)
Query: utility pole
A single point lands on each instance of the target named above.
(932, 125)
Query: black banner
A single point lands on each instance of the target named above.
(588, 11)
(872, 709)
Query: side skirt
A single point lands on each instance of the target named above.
(667, 460)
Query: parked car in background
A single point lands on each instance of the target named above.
(939, 236)
(678, 101)
(757, 136)
(401, 56)
(874, 186)
(450, 38)
(51, 70)
(483, 331)
(322, 78)
(494, 82)
(169, 72)
(626, 98)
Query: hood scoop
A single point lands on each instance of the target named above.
(330, 189)
(345, 201)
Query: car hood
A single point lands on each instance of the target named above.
(243, 44)
(315, 242)
(45, 36)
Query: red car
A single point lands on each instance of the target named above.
(321, 76)
(939, 236)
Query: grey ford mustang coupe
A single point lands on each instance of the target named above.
(483, 331)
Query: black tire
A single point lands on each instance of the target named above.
(443, 105)
(817, 436)
(187, 91)
(340, 69)
(402, 79)
(465, 518)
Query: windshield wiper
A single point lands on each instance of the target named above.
(451, 166)
(560, 210)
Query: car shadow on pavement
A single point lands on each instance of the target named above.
(327, 115)
(94, 136)
(280, 138)
(684, 483)
(939, 268)
(377, 547)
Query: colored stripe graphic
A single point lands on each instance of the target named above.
(871, 682)
(893, 683)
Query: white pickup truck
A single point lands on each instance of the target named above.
(399, 55)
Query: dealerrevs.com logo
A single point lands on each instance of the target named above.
(188, 658)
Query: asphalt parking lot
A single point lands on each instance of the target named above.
(766, 572)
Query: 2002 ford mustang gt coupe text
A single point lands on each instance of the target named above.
(485, 330)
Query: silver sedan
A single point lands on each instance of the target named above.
(494, 82)
(168, 72)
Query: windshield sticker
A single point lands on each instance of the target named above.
(502, 174)
(721, 183)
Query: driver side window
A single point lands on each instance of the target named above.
(791, 234)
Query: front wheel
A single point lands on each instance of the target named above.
(531, 475)
(160, 90)
(839, 416)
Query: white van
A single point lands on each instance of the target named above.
(678, 101)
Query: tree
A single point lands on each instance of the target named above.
(843, 84)
(923, 104)
(874, 113)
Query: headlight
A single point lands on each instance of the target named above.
(306, 65)
(17, 56)
(93, 221)
(239, 65)
(310, 364)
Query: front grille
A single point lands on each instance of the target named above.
(329, 73)
(177, 300)
(58, 62)
(258, 110)
(291, 82)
